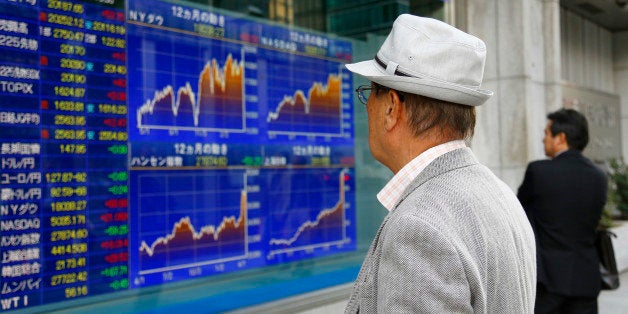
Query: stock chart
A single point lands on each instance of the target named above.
(146, 142)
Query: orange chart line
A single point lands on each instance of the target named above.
(213, 83)
(185, 225)
(320, 99)
(312, 224)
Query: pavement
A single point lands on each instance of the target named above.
(615, 301)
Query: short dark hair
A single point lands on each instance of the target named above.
(455, 121)
(573, 124)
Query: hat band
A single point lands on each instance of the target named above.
(385, 66)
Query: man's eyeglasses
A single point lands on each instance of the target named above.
(364, 91)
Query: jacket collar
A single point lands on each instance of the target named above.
(568, 153)
(455, 159)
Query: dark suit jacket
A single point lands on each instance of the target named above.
(564, 198)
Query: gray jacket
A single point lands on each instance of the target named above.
(458, 241)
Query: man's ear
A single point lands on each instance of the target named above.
(562, 138)
(560, 142)
(394, 110)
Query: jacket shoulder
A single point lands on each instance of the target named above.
(539, 164)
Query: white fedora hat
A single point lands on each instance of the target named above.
(430, 58)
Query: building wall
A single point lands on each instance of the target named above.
(587, 57)
(589, 84)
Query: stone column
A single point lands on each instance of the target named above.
(523, 69)
(620, 70)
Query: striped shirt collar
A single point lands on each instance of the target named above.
(393, 190)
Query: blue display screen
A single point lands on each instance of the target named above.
(145, 142)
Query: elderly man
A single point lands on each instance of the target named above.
(456, 238)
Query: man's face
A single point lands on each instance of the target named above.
(376, 123)
(549, 141)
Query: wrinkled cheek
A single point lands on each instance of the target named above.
(374, 146)
(371, 138)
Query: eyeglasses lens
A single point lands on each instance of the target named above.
(364, 92)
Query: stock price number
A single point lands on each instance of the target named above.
(112, 109)
(68, 206)
(65, 34)
(113, 42)
(70, 263)
(67, 191)
(72, 49)
(69, 120)
(110, 68)
(65, 6)
(70, 234)
(74, 248)
(68, 105)
(66, 20)
(67, 220)
(67, 77)
(70, 134)
(67, 91)
(73, 292)
(69, 278)
(78, 149)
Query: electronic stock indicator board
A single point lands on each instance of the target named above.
(146, 142)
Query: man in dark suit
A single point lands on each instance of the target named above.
(564, 198)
